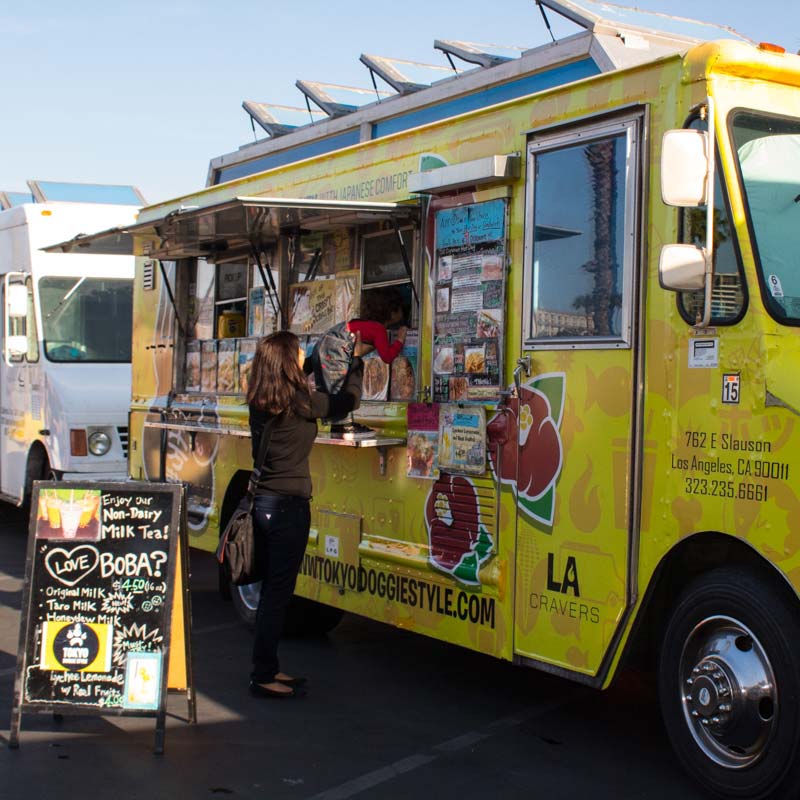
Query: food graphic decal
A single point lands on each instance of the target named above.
(459, 543)
(533, 466)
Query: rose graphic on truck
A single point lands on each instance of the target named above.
(459, 543)
(532, 457)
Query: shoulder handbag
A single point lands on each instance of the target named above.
(237, 545)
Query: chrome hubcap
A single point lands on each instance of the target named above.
(249, 595)
(728, 692)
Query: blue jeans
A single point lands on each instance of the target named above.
(281, 525)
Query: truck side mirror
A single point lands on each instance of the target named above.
(16, 346)
(16, 301)
(684, 168)
(682, 267)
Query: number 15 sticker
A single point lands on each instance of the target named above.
(730, 387)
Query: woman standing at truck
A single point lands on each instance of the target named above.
(279, 398)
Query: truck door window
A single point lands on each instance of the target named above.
(727, 294)
(768, 153)
(86, 319)
(580, 235)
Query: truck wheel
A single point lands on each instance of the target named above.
(303, 617)
(729, 686)
(245, 602)
(308, 618)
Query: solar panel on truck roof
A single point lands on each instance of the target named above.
(14, 199)
(59, 191)
(278, 120)
(336, 100)
(610, 37)
(405, 76)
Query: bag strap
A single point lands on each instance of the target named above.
(258, 464)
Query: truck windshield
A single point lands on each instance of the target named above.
(768, 150)
(86, 319)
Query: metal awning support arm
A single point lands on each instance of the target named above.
(406, 261)
(266, 275)
(315, 262)
(171, 296)
(269, 283)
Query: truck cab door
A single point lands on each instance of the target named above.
(576, 394)
(20, 352)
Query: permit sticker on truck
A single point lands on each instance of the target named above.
(703, 353)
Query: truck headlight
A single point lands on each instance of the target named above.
(99, 443)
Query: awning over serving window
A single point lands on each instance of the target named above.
(231, 226)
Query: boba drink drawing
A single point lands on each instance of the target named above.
(69, 514)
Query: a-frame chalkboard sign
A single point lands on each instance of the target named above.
(106, 567)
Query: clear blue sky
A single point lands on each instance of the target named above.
(147, 93)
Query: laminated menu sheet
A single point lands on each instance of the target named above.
(469, 292)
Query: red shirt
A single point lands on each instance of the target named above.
(375, 334)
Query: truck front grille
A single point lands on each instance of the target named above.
(123, 439)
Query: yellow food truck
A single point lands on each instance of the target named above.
(589, 450)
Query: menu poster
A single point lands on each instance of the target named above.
(98, 600)
(403, 382)
(312, 306)
(247, 352)
(255, 312)
(462, 439)
(338, 252)
(469, 289)
(231, 281)
(208, 366)
(422, 446)
(347, 296)
(226, 366)
(191, 375)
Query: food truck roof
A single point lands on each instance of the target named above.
(613, 37)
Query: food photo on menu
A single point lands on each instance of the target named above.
(208, 369)
(191, 377)
(376, 378)
(445, 269)
(69, 514)
(443, 361)
(247, 352)
(226, 367)
(489, 323)
(492, 268)
(458, 389)
(475, 360)
(402, 379)
(422, 450)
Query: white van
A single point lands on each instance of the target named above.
(65, 374)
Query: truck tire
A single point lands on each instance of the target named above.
(729, 686)
(303, 617)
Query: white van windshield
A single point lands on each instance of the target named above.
(768, 149)
(86, 319)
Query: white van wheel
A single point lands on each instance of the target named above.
(245, 601)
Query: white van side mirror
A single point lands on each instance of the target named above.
(682, 267)
(684, 168)
(16, 301)
(16, 346)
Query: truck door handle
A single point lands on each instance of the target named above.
(523, 365)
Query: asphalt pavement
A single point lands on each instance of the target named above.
(388, 714)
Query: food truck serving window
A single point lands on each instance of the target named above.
(580, 242)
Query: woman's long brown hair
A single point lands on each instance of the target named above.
(276, 377)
